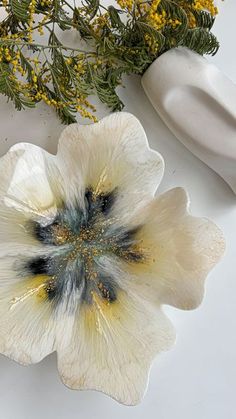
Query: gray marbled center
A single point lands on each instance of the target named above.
(81, 237)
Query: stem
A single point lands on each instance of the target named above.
(36, 27)
(43, 47)
(68, 4)
(103, 7)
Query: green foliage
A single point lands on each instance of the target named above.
(121, 39)
(200, 41)
(9, 89)
(20, 9)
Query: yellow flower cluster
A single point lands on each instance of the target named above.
(46, 2)
(12, 58)
(40, 95)
(107, 34)
(42, 23)
(191, 20)
(79, 67)
(32, 7)
(154, 5)
(35, 93)
(151, 43)
(99, 23)
(206, 5)
(81, 108)
(198, 5)
(5, 54)
(160, 20)
(77, 63)
(126, 4)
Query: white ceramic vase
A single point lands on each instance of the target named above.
(198, 103)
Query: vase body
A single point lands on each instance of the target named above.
(198, 103)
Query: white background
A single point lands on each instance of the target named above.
(196, 379)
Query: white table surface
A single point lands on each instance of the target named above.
(196, 379)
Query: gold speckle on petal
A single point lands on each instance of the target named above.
(61, 234)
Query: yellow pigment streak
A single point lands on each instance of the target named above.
(32, 289)
(101, 181)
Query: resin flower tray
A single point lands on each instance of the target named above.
(89, 256)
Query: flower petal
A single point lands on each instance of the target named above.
(183, 249)
(112, 154)
(24, 183)
(31, 324)
(113, 346)
(27, 332)
(31, 188)
(16, 235)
